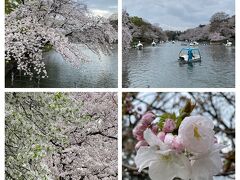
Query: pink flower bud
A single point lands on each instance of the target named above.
(139, 137)
(148, 118)
(144, 123)
(161, 136)
(177, 144)
(140, 143)
(135, 131)
(155, 129)
(168, 139)
(169, 125)
(138, 131)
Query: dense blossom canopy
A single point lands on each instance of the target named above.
(61, 136)
(65, 25)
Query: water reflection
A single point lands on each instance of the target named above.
(97, 73)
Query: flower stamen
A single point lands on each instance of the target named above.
(166, 158)
(196, 133)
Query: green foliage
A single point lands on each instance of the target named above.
(184, 112)
(35, 126)
(10, 5)
(47, 47)
(172, 35)
(138, 21)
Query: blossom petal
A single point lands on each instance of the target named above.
(207, 166)
(152, 139)
(159, 170)
(145, 155)
(217, 147)
(167, 169)
(184, 167)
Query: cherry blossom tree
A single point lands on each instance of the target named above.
(61, 136)
(219, 16)
(126, 33)
(216, 36)
(65, 26)
(220, 28)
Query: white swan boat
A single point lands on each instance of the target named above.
(195, 43)
(228, 44)
(154, 43)
(139, 45)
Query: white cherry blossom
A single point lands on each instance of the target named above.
(163, 162)
(197, 134)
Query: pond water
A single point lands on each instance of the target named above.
(157, 67)
(97, 73)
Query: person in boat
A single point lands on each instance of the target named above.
(190, 55)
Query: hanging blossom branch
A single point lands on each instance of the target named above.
(65, 25)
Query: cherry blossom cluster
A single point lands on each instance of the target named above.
(25, 40)
(91, 153)
(177, 147)
(66, 26)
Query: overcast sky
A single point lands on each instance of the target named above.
(102, 7)
(178, 14)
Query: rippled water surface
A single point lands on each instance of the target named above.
(158, 67)
(98, 73)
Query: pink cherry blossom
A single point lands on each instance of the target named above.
(192, 152)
